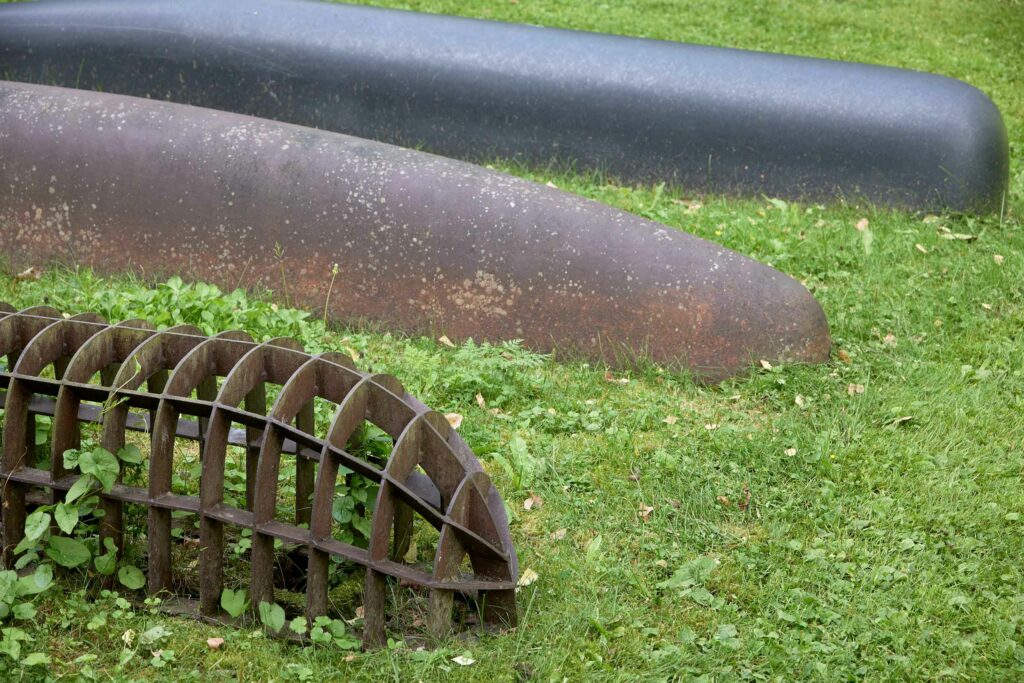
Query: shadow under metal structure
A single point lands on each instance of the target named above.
(705, 118)
(187, 385)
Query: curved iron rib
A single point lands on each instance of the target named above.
(183, 378)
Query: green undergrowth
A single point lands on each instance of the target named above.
(860, 519)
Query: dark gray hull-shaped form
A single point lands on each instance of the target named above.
(423, 243)
(705, 118)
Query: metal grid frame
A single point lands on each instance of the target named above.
(430, 471)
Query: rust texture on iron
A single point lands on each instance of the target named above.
(178, 383)
(423, 244)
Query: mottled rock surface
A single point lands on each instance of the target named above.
(423, 243)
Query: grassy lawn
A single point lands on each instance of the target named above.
(860, 519)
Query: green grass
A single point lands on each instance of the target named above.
(873, 546)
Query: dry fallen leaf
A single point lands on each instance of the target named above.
(350, 658)
(32, 273)
(559, 534)
(862, 224)
(765, 364)
(495, 411)
(526, 578)
(843, 356)
(889, 339)
(214, 643)
(691, 206)
(352, 353)
(480, 401)
(799, 401)
(360, 612)
(947, 234)
(534, 501)
(645, 511)
(670, 419)
(711, 426)
(609, 377)
(987, 307)
(998, 258)
(661, 563)
(921, 248)
(722, 500)
(854, 389)
(454, 419)
(744, 502)
(791, 452)
(445, 340)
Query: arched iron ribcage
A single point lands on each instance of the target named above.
(173, 374)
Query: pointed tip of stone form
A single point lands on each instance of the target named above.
(705, 118)
(413, 241)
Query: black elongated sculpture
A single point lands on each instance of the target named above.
(706, 118)
(422, 243)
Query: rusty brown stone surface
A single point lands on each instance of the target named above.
(423, 244)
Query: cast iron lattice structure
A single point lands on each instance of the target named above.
(173, 374)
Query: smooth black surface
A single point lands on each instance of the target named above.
(705, 118)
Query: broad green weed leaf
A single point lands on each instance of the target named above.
(594, 548)
(692, 573)
(131, 577)
(272, 616)
(728, 636)
(24, 610)
(298, 625)
(154, 635)
(71, 457)
(66, 517)
(67, 552)
(8, 586)
(11, 648)
(100, 463)
(36, 582)
(234, 602)
(36, 525)
(106, 564)
(35, 659)
(130, 454)
(85, 485)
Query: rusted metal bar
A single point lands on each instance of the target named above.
(430, 474)
(419, 243)
(706, 118)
